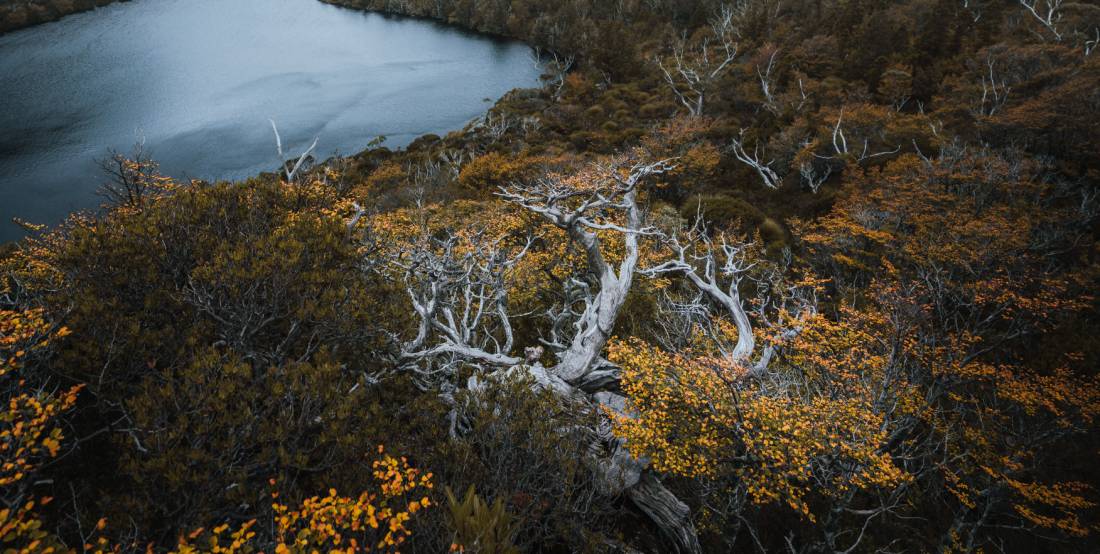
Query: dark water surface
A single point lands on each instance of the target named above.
(199, 79)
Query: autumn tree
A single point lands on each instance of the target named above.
(30, 426)
(460, 298)
(968, 259)
(222, 334)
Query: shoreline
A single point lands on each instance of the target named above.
(414, 142)
(390, 12)
(24, 15)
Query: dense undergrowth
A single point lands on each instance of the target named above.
(903, 196)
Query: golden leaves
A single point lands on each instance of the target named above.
(29, 425)
(373, 521)
(698, 416)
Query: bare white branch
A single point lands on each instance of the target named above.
(768, 175)
(608, 204)
(458, 289)
(291, 172)
(694, 70)
(1046, 12)
(558, 68)
(994, 93)
(766, 85)
(720, 268)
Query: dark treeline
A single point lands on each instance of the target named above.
(17, 14)
(807, 276)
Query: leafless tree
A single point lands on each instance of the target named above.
(581, 210)
(767, 175)
(356, 216)
(720, 268)
(1092, 43)
(694, 70)
(802, 96)
(530, 124)
(290, 166)
(557, 68)
(433, 174)
(458, 290)
(1046, 12)
(130, 178)
(994, 92)
(454, 159)
(841, 149)
(813, 177)
(495, 125)
(975, 8)
(767, 85)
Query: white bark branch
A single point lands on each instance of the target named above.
(767, 175)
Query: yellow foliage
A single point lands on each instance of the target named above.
(699, 417)
(373, 521)
(29, 429)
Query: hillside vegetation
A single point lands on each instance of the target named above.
(806, 276)
(17, 14)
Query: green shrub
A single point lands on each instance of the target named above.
(479, 527)
(771, 231)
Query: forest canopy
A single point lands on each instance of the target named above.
(806, 276)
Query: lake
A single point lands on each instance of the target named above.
(198, 80)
